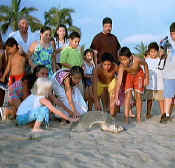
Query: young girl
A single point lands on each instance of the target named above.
(88, 67)
(61, 39)
(65, 84)
(36, 106)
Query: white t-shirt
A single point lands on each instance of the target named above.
(32, 36)
(155, 75)
(30, 103)
(169, 70)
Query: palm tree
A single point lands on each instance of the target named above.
(56, 16)
(10, 16)
(141, 49)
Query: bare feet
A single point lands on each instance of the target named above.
(148, 115)
(131, 115)
(139, 120)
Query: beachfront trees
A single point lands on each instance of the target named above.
(10, 16)
(141, 49)
(56, 16)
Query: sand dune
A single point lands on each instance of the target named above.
(145, 145)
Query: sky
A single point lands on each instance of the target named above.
(134, 21)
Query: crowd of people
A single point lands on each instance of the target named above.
(51, 74)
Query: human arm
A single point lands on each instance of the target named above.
(143, 62)
(54, 62)
(7, 70)
(30, 53)
(59, 103)
(48, 104)
(119, 82)
(68, 90)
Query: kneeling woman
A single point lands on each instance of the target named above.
(36, 106)
(65, 84)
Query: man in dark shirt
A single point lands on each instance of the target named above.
(105, 42)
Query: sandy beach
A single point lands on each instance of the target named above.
(146, 145)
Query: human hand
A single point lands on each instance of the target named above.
(76, 115)
(95, 52)
(74, 119)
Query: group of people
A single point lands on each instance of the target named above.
(51, 74)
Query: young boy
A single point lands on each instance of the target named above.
(155, 88)
(105, 78)
(71, 55)
(135, 80)
(169, 75)
(16, 69)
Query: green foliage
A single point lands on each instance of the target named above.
(56, 16)
(141, 49)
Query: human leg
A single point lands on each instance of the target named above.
(138, 105)
(149, 108)
(128, 96)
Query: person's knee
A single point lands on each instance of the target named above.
(138, 96)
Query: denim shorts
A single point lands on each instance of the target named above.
(39, 114)
(169, 88)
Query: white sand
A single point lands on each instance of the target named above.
(146, 145)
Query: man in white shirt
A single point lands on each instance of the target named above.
(24, 36)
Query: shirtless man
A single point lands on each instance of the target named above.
(135, 80)
(16, 69)
(105, 77)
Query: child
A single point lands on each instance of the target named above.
(65, 84)
(16, 69)
(36, 106)
(155, 88)
(88, 67)
(105, 78)
(134, 80)
(71, 56)
(169, 75)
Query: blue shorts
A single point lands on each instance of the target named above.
(39, 114)
(169, 88)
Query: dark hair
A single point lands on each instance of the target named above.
(45, 28)
(74, 35)
(125, 51)
(77, 70)
(11, 42)
(107, 20)
(57, 36)
(88, 50)
(153, 45)
(107, 57)
(172, 27)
